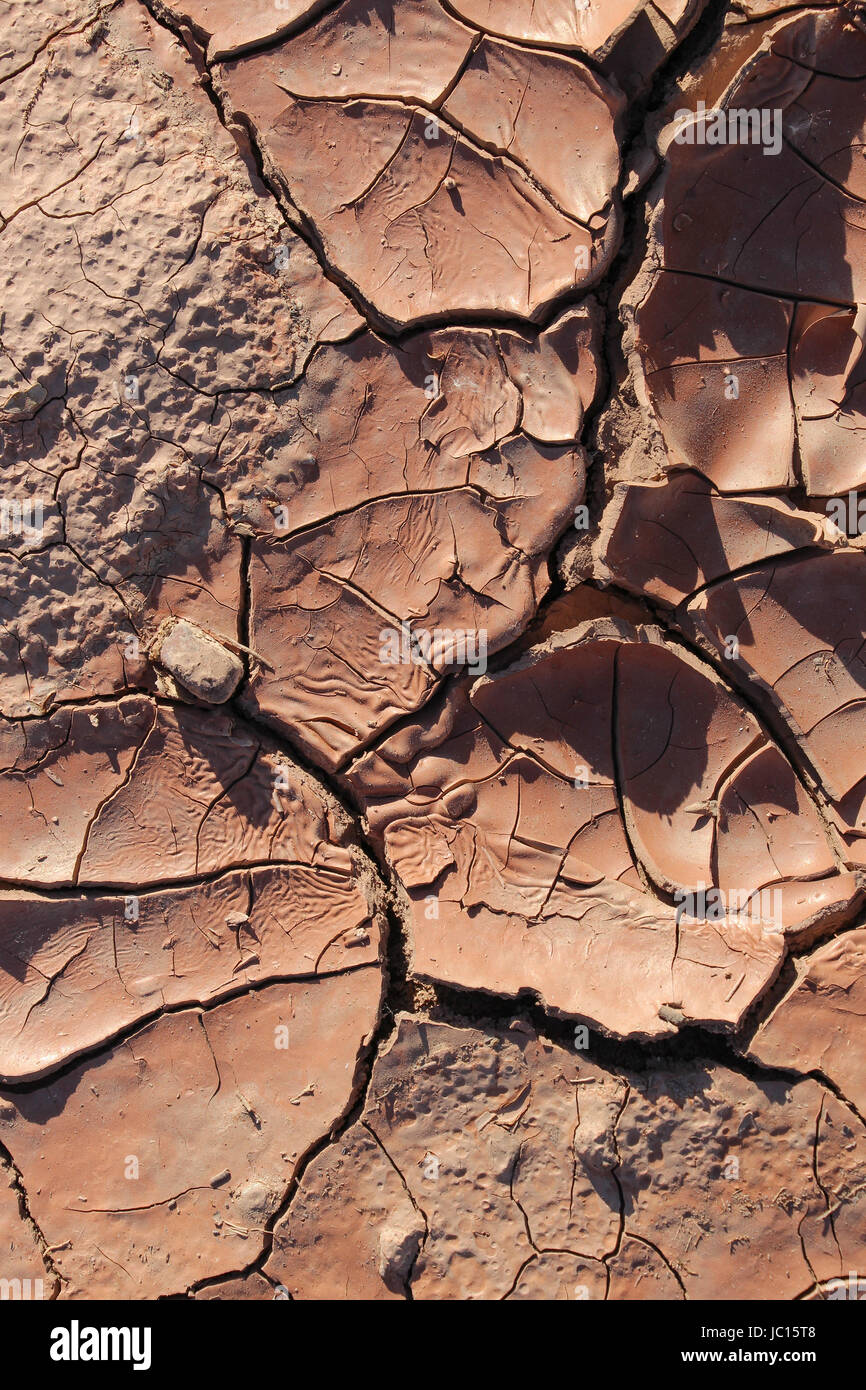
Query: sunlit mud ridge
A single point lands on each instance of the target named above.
(432, 623)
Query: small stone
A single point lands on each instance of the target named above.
(398, 1248)
(24, 403)
(197, 661)
(520, 1025)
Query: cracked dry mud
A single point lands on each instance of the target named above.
(433, 714)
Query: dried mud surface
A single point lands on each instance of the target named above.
(433, 701)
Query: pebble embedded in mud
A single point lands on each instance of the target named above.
(203, 666)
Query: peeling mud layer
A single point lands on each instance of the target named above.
(432, 629)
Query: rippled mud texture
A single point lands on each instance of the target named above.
(433, 714)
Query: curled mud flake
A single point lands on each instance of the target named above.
(405, 533)
(631, 38)
(748, 344)
(818, 1024)
(409, 50)
(224, 28)
(800, 650)
(668, 540)
(459, 211)
(571, 832)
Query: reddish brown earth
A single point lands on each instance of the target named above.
(433, 715)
